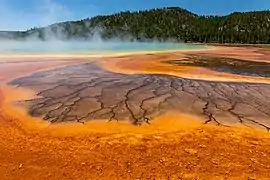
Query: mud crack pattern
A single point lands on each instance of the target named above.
(86, 92)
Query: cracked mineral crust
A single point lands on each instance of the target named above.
(86, 92)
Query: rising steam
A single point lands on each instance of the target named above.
(54, 37)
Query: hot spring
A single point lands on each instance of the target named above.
(13, 47)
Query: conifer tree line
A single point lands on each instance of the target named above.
(172, 23)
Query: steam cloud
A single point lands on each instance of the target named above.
(43, 13)
(47, 12)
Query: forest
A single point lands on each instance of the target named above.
(162, 24)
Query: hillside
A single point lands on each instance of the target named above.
(171, 23)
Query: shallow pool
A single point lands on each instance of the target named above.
(89, 46)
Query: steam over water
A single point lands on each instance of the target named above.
(88, 46)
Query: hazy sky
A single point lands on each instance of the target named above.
(23, 14)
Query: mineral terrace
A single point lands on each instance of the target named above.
(87, 92)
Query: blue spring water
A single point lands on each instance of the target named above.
(89, 47)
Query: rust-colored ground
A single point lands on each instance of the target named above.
(195, 153)
(175, 146)
(154, 64)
